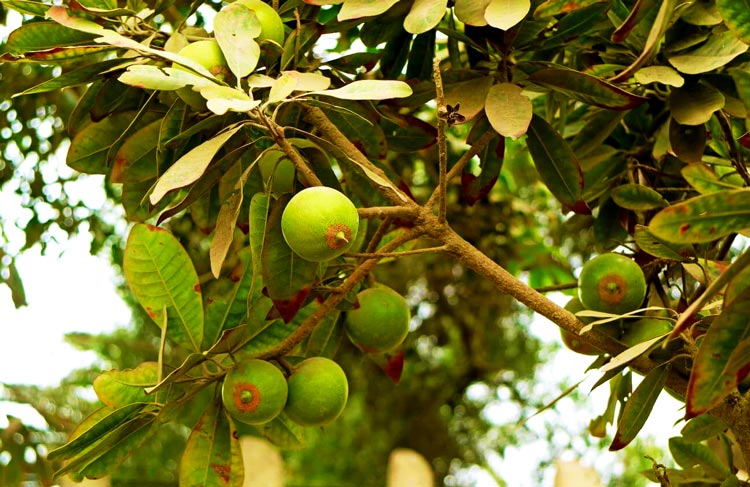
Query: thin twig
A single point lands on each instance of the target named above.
(277, 132)
(442, 126)
(402, 253)
(378, 235)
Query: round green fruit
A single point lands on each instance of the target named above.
(611, 283)
(271, 26)
(319, 223)
(381, 322)
(644, 329)
(274, 164)
(318, 391)
(208, 54)
(254, 391)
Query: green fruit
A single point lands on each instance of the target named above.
(318, 391)
(274, 164)
(208, 54)
(381, 322)
(611, 283)
(271, 26)
(574, 342)
(319, 223)
(254, 391)
(644, 329)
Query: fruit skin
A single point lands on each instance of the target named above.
(611, 283)
(272, 28)
(319, 223)
(318, 391)
(275, 163)
(574, 342)
(381, 322)
(644, 329)
(254, 391)
(208, 54)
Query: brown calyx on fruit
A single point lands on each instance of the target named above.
(246, 397)
(338, 235)
(612, 288)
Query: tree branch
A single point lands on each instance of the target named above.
(441, 141)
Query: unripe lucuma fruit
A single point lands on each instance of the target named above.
(254, 391)
(208, 54)
(381, 322)
(611, 283)
(272, 28)
(318, 391)
(319, 223)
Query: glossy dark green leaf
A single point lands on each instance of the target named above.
(84, 74)
(325, 338)
(723, 358)
(90, 146)
(118, 447)
(688, 455)
(212, 456)
(475, 187)
(581, 20)
(556, 163)
(717, 51)
(599, 125)
(162, 277)
(702, 428)
(41, 36)
(703, 218)
(407, 133)
(135, 160)
(586, 88)
(361, 127)
(638, 407)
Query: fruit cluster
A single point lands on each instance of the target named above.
(613, 283)
(314, 394)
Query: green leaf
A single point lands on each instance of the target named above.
(224, 231)
(736, 15)
(135, 159)
(556, 163)
(702, 428)
(235, 27)
(586, 88)
(508, 110)
(84, 74)
(688, 455)
(424, 15)
(717, 51)
(695, 104)
(688, 141)
(90, 146)
(471, 12)
(369, 90)
(638, 407)
(162, 277)
(284, 273)
(704, 218)
(723, 357)
(42, 36)
(325, 337)
(118, 388)
(659, 248)
(742, 82)
(470, 94)
(704, 179)
(659, 74)
(600, 124)
(284, 433)
(638, 197)
(93, 427)
(355, 9)
(212, 456)
(190, 167)
(258, 215)
(504, 14)
(150, 77)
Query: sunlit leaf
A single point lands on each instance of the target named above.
(471, 12)
(369, 90)
(659, 74)
(717, 51)
(117, 388)
(355, 9)
(235, 27)
(504, 14)
(704, 178)
(703, 218)
(162, 277)
(695, 104)
(508, 110)
(191, 166)
(637, 197)
(424, 15)
(736, 15)
(224, 232)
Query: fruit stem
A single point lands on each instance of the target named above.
(341, 237)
